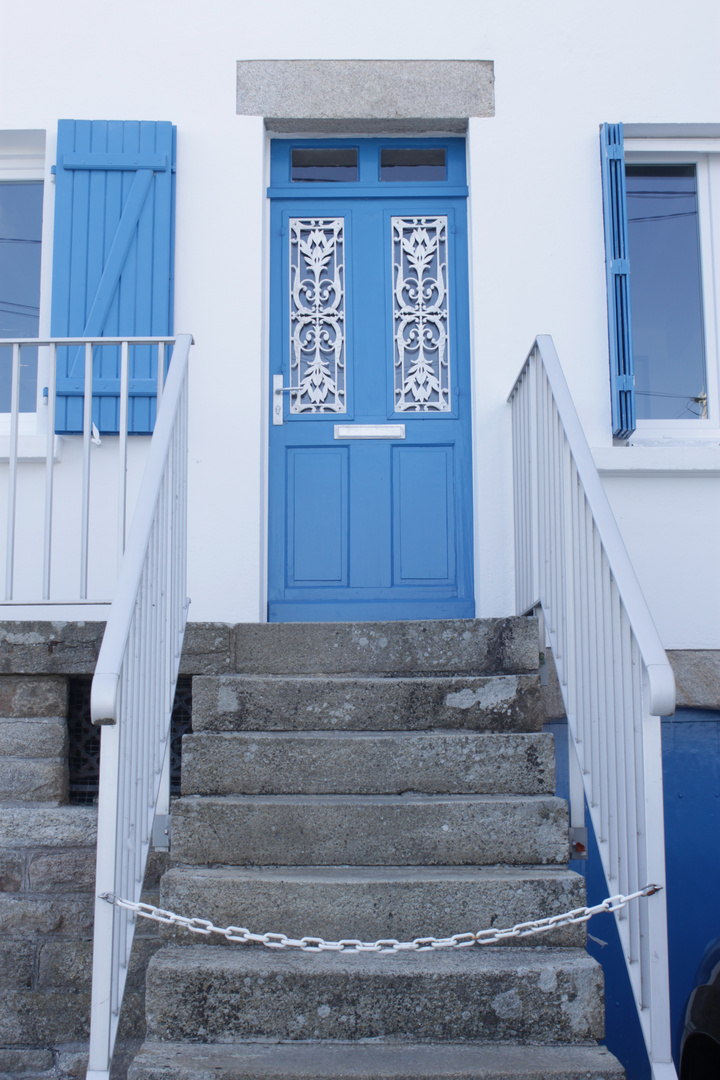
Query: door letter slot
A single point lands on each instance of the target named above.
(369, 431)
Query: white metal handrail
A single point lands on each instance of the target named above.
(82, 543)
(615, 677)
(132, 697)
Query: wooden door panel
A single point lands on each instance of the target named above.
(423, 515)
(317, 481)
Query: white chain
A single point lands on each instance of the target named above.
(383, 945)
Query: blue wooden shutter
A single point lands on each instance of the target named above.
(622, 379)
(112, 262)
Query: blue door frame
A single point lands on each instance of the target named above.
(365, 524)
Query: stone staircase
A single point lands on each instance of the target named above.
(373, 780)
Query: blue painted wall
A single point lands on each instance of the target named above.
(691, 782)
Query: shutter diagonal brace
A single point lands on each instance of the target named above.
(116, 258)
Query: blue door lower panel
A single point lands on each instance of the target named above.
(369, 531)
(423, 515)
(317, 535)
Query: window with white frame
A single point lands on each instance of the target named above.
(673, 192)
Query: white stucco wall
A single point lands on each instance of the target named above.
(561, 68)
(670, 529)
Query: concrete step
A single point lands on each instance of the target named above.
(370, 830)
(402, 902)
(470, 646)
(337, 703)
(204, 994)
(372, 1061)
(367, 763)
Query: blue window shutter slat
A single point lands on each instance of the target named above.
(110, 161)
(112, 262)
(622, 380)
(78, 268)
(171, 222)
(117, 186)
(61, 276)
(143, 358)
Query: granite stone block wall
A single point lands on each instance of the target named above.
(47, 867)
(33, 738)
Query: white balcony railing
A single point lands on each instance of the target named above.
(132, 699)
(83, 526)
(615, 678)
(69, 498)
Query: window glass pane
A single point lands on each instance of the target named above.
(20, 235)
(665, 283)
(409, 163)
(324, 165)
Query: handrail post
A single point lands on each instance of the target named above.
(12, 479)
(576, 800)
(658, 1001)
(104, 955)
(161, 822)
(122, 446)
(49, 472)
(533, 479)
(87, 433)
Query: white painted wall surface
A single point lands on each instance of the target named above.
(670, 529)
(561, 67)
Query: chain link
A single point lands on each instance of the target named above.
(383, 945)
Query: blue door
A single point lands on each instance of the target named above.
(370, 467)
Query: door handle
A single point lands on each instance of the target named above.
(277, 399)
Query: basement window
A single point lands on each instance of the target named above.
(84, 750)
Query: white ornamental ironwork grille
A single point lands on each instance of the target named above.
(317, 315)
(420, 314)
